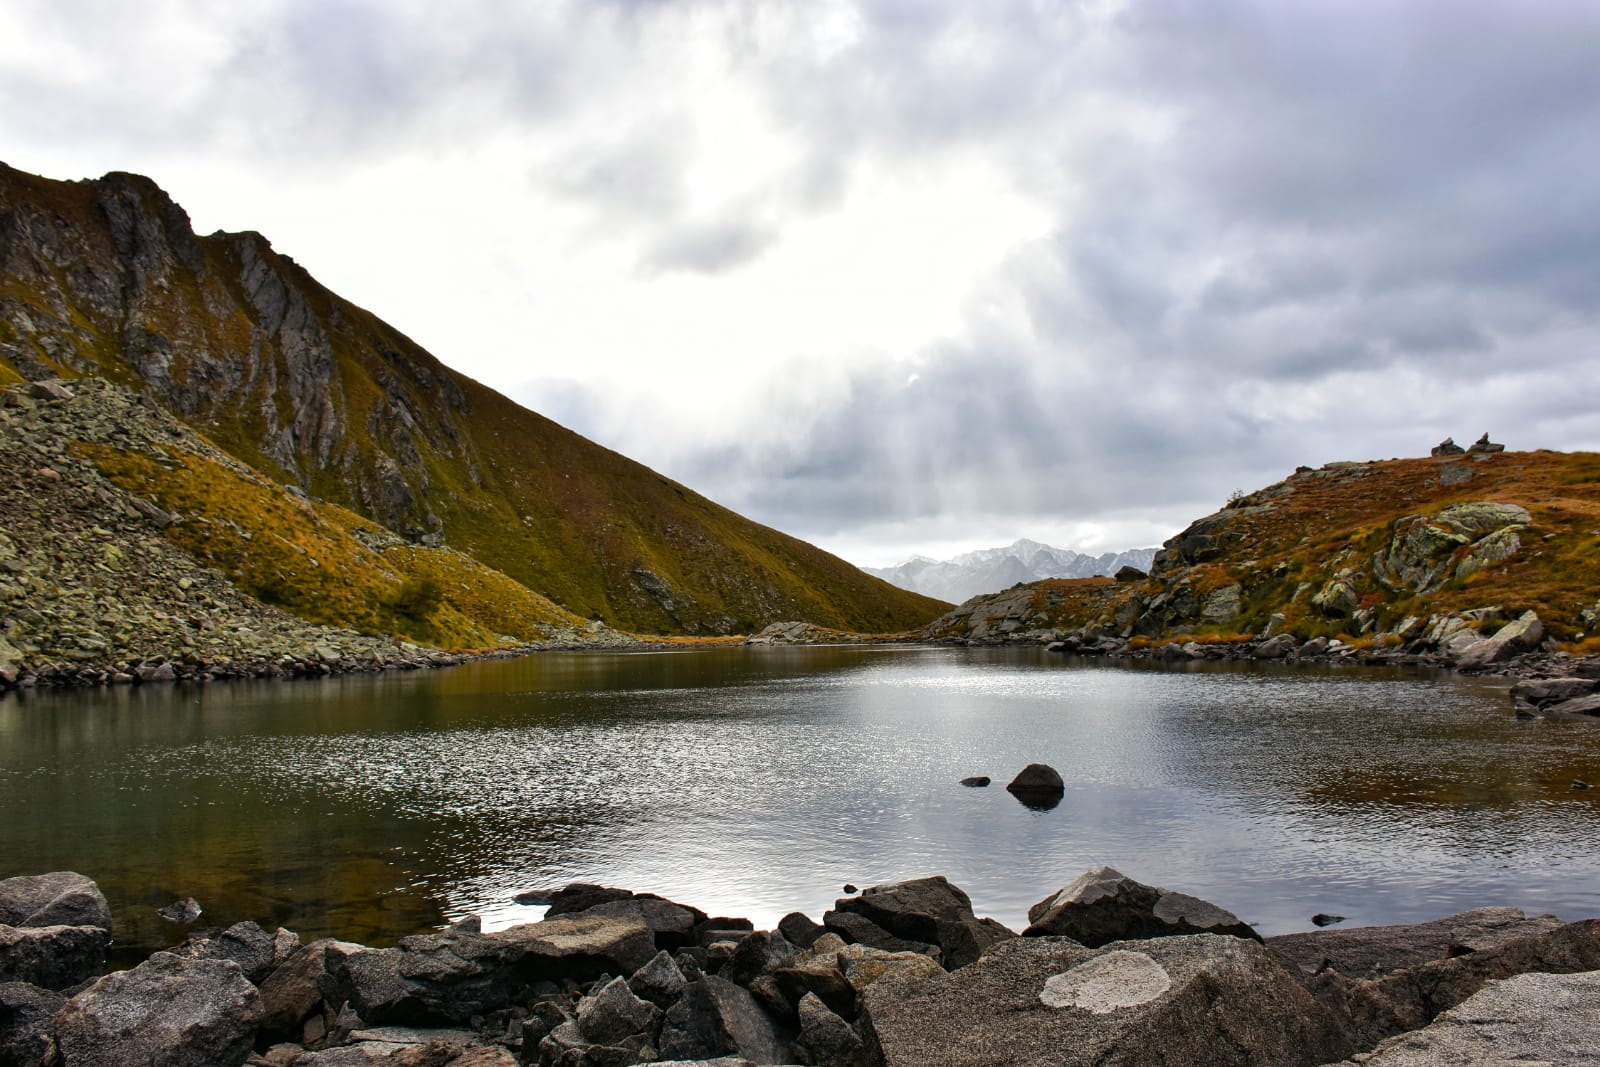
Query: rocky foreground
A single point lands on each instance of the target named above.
(1109, 972)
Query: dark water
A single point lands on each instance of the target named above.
(752, 782)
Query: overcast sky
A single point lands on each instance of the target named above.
(904, 277)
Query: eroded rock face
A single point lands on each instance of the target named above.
(1105, 905)
(1038, 1001)
(1409, 998)
(1374, 951)
(1546, 1019)
(1427, 550)
(166, 1012)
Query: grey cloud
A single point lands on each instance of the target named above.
(708, 247)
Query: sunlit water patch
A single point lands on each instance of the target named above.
(754, 782)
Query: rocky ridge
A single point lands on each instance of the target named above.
(902, 974)
(1388, 562)
(94, 591)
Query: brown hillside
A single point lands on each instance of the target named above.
(107, 278)
(1354, 550)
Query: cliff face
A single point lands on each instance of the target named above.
(1395, 553)
(107, 278)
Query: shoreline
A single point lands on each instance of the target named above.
(1107, 970)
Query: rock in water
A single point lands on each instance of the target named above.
(977, 781)
(1105, 905)
(166, 1012)
(1032, 1003)
(186, 910)
(1038, 786)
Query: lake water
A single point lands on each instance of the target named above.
(757, 781)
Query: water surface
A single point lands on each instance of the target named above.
(757, 781)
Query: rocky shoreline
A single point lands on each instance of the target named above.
(1109, 971)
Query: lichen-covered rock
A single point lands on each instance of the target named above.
(166, 1012)
(1033, 1002)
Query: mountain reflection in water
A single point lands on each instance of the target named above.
(756, 781)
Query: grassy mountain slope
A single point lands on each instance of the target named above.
(1359, 550)
(107, 278)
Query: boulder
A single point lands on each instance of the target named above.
(1374, 951)
(613, 1013)
(714, 1017)
(977, 781)
(293, 991)
(61, 898)
(577, 897)
(759, 953)
(660, 981)
(860, 930)
(54, 957)
(1039, 786)
(1549, 1019)
(1049, 1001)
(1587, 706)
(27, 1023)
(798, 929)
(1522, 634)
(828, 1039)
(818, 971)
(671, 925)
(1447, 447)
(166, 1012)
(862, 966)
(1276, 647)
(1542, 691)
(930, 911)
(245, 943)
(1129, 573)
(1105, 905)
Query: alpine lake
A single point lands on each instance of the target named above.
(756, 781)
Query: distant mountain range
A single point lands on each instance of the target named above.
(988, 570)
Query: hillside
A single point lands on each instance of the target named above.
(1389, 553)
(988, 570)
(106, 278)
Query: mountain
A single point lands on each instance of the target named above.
(1393, 553)
(106, 278)
(988, 570)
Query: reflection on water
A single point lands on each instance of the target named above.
(756, 781)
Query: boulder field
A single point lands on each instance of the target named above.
(1109, 972)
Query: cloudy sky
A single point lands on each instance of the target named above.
(904, 277)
